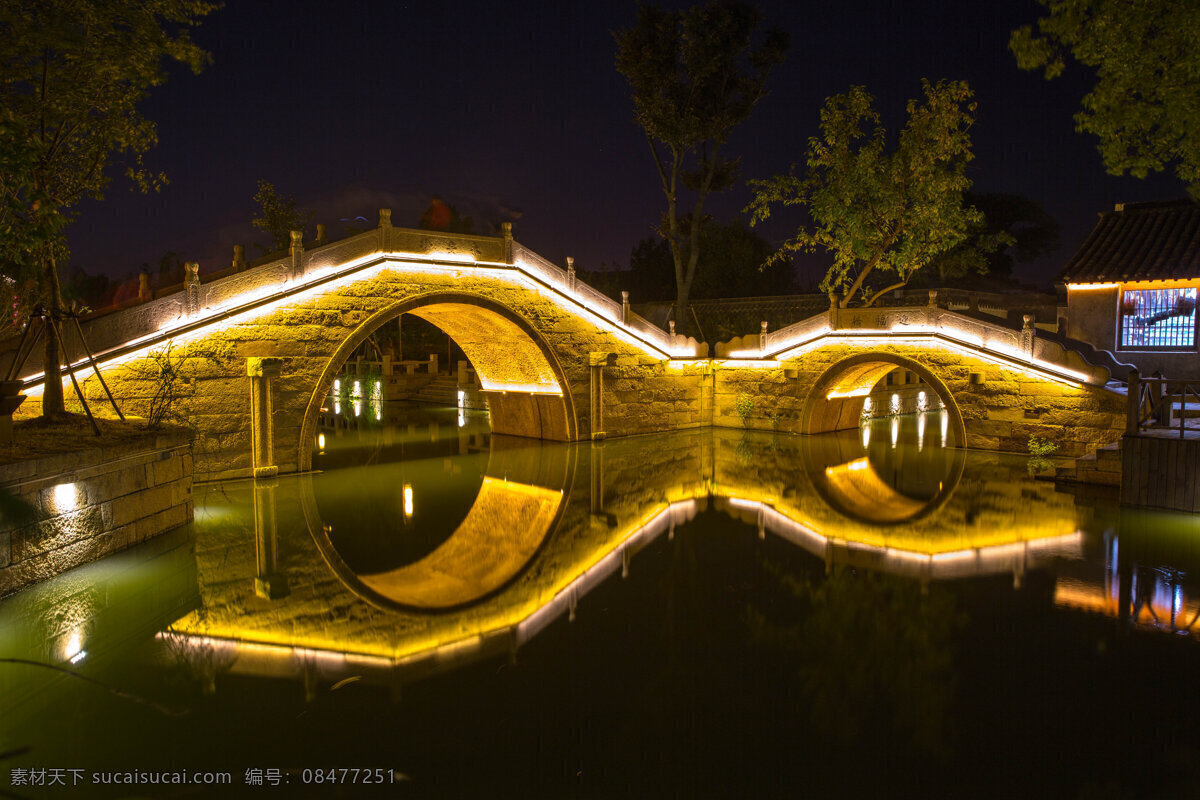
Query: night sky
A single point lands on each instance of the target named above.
(509, 109)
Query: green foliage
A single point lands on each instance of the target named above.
(1041, 447)
(728, 265)
(694, 76)
(882, 212)
(278, 217)
(1145, 102)
(72, 73)
(744, 406)
(776, 417)
(172, 381)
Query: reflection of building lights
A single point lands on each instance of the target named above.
(945, 425)
(462, 399)
(357, 392)
(408, 500)
(358, 408)
(337, 406)
(866, 434)
(66, 497)
(895, 430)
(320, 441)
(337, 386)
(462, 418)
(920, 432)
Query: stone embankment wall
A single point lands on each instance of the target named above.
(93, 502)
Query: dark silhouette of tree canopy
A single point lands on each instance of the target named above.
(279, 216)
(1145, 105)
(1013, 229)
(882, 213)
(694, 76)
(728, 266)
(72, 73)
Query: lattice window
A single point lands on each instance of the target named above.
(1158, 319)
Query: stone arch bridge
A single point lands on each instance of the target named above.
(258, 350)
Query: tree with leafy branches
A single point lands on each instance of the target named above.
(695, 75)
(278, 217)
(72, 73)
(1145, 104)
(883, 212)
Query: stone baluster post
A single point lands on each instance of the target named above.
(262, 371)
(624, 308)
(1028, 335)
(762, 337)
(191, 288)
(833, 311)
(239, 258)
(507, 234)
(385, 229)
(144, 290)
(296, 249)
(570, 273)
(320, 233)
(931, 309)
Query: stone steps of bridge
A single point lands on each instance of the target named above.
(1102, 467)
(442, 390)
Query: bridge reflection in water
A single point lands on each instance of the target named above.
(417, 549)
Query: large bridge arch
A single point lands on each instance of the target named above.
(835, 401)
(527, 388)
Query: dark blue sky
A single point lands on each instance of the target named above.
(516, 107)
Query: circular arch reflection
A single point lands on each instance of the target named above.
(872, 483)
(521, 499)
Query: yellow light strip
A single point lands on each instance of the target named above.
(1087, 287)
(860, 392)
(919, 335)
(360, 269)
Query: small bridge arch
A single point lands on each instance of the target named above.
(836, 399)
(528, 390)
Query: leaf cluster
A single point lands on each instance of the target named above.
(694, 76)
(1145, 104)
(879, 209)
(72, 74)
(278, 217)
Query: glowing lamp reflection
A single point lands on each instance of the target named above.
(408, 501)
(320, 441)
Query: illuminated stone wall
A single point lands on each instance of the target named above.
(1001, 408)
(641, 393)
(93, 502)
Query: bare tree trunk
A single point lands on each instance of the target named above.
(52, 395)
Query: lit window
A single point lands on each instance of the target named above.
(1158, 319)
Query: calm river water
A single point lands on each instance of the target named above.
(715, 613)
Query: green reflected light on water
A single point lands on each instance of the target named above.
(750, 612)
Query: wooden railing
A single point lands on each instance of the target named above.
(1152, 401)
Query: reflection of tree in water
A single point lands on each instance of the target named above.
(195, 659)
(874, 655)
